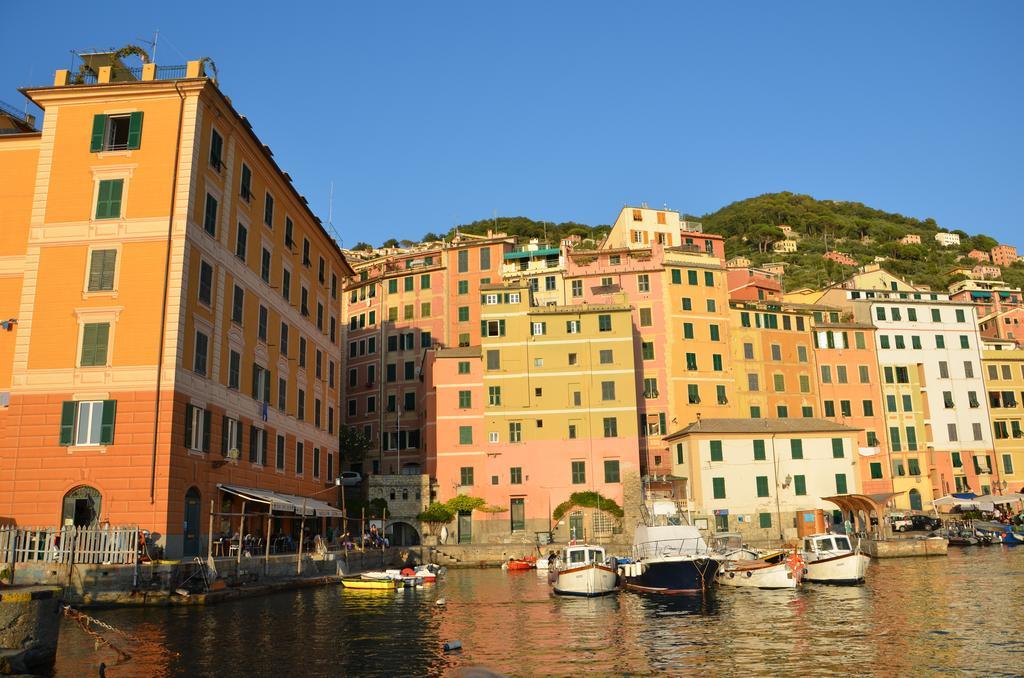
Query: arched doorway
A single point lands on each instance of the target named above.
(190, 547)
(403, 534)
(915, 500)
(81, 507)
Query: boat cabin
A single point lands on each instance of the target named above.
(827, 544)
(575, 556)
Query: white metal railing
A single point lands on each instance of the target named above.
(77, 545)
(669, 548)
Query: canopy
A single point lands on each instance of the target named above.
(953, 500)
(278, 501)
(1000, 498)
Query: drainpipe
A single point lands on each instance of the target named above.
(778, 504)
(163, 307)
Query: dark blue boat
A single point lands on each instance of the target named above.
(670, 559)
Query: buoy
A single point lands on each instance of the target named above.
(453, 645)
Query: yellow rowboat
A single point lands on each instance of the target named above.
(370, 584)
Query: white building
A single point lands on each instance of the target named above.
(947, 239)
(758, 476)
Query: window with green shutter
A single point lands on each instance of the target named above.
(676, 276)
(799, 486)
(87, 422)
(796, 447)
(716, 450)
(718, 488)
(759, 454)
(691, 277)
(465, 436)
(94, 344)
(579, 472)
(764, 520)
(876, 470)
(611, 470)
(465, 400)
(762, 486)
(837, 448)
(116, 132)
(108, 199)
(840, 483)
(102, 265)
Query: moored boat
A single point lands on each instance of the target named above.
(670, 559)
(584, 570)
(524, 563)
(998, 533)
(744, 567)
(830, 559)
(369, 584)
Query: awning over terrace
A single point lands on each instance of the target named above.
(278, 501)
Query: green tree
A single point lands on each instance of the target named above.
(362, 247)
(436, 515)
(390, 242)
(353, 444)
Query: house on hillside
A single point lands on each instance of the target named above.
(784, 247)
(788, 231)
(978, 255)
(1004, 255)
(840, 258)
(738, 262)
(947, 239)
(1005, 324)
(986, 271)
(777, 268)
(910, 239)
(753, 284)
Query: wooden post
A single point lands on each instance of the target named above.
(362, 529)
(302, 533)
(241, 529)
(270, 522)
(383, 522)
(209, 537)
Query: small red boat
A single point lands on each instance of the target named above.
(525, 563)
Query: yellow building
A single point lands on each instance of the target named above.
(176, 310)
(1003, 369)
(773, 360)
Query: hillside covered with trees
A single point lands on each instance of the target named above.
(752, 226)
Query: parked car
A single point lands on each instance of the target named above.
(926, 523)
(351, 478)
(906, 522)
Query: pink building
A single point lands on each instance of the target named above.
(753, 284)
(911, 239)
(986, 271)
(840, 258)
(978, 255)
(1004, 255)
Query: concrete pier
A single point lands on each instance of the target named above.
(904, 548)
(29, 627)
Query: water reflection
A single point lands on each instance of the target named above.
(959, 613)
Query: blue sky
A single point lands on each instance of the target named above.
(430, 114)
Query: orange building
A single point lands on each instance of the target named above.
(1004, 255)
(849, 384)
(773, 361)
(176, 336)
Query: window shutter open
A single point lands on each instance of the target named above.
(266, 387)
(255, 381)
(107, 422)
(67, 422)
(135, 130)
(103, 200)
(99, 126)
(263, 449)
(188, 426)
(107, 269)
(224, 442)
(252, 444)
(206, 430)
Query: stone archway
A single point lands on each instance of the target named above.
(401, 533)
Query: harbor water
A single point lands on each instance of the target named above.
(959, 613)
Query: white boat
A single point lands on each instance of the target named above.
(741, 566)
(830, 559)
(584, 570)
(670, 559)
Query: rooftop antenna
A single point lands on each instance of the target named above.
(152, 44)
(330, 215)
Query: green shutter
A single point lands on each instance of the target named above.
(224, 435)
(67, 422)
(762, 486)
(135, 130)
(255, 381)
(797, 448)
(837, 448)
(206, 431)
(800, 485)
(840, 483)
(101, 270)
(263, 448)
(252, 443)
(716, 450)
(188, 426)
(99, 126)
(107, 422)
(94, 344)
(718, 487)
(662, 424)
(266, 387)
(759, 454)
